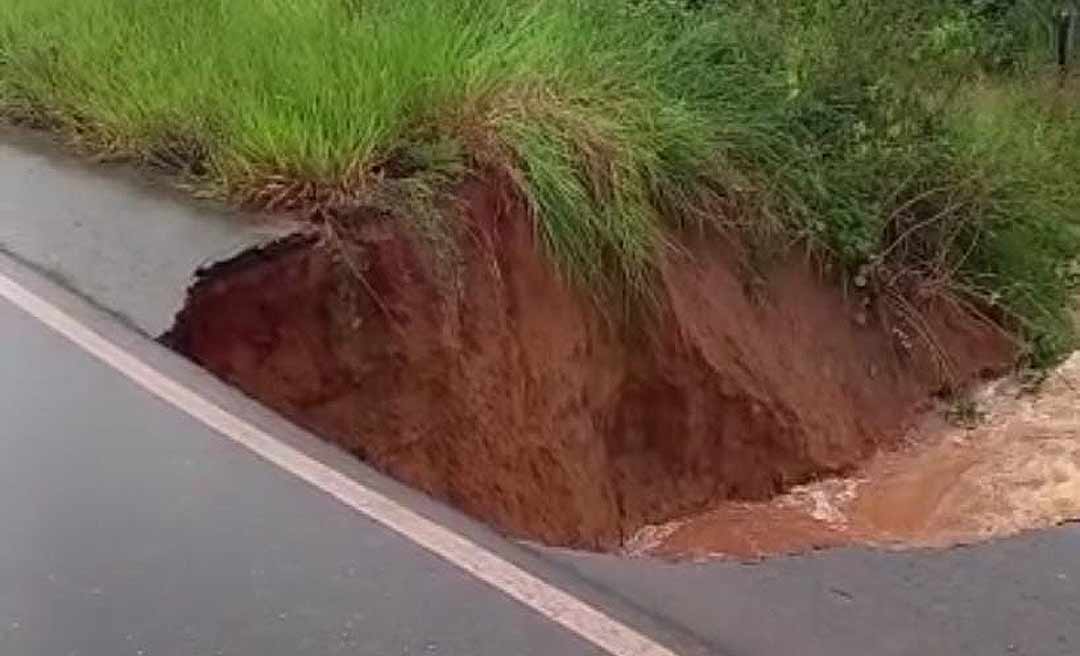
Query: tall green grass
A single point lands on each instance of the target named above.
(318, 91)
(860, 128)
(1022, 137)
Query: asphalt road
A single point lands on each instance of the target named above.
(1014, 597)
(126, 527)
(129, 528)
(139, 260)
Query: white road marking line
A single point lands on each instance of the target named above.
(551, 602)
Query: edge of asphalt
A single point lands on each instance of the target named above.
(122, 321)
(124, 237)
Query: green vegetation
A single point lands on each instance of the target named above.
(923, 147)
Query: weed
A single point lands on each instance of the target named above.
(965, 413)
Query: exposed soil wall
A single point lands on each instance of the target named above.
(515, 400)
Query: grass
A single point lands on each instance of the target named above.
(1025, 138)
(878, 133)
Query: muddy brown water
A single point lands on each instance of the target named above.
(516, 399)
(1015, 468)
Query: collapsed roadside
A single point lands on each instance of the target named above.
(579, 269)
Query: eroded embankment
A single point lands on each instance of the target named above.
(512, 397)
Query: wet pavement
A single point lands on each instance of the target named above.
(130, 528)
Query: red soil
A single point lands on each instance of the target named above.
(515, 400)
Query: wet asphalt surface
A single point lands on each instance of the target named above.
(127, 527)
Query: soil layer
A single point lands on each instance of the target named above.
(514, 397)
